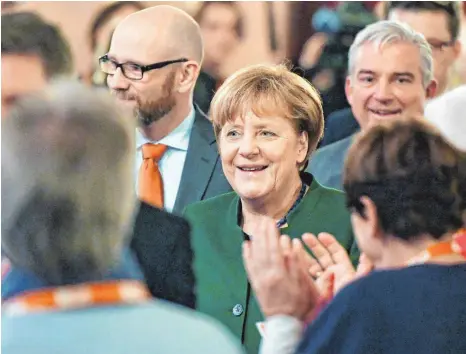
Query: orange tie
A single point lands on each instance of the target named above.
(150, 179)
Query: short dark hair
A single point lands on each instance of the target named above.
(412, 174)
(232, 4)
(451, 8)
(27, 33)
(106, 14)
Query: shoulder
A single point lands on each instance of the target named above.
(213, 334)
(334, 117)
(212, 207)
(334, 153)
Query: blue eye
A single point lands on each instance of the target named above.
(232, 133)
(267, 133)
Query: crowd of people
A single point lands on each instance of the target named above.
(158, 207)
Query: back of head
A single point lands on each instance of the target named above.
(25, 33)
(67, 190)
(415, 178)
(383, 33)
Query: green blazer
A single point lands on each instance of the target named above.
(222, 286)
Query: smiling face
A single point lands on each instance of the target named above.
(387, 83)
(152, 97)
(260, 156)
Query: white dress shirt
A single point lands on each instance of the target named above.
(172, 162)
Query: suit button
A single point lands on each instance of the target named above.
(238, 310)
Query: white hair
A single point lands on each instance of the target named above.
(382, 33)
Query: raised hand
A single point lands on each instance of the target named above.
(332, 260)
(278, 278)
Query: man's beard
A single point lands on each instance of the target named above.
(149, 111)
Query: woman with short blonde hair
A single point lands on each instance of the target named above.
(267, 121)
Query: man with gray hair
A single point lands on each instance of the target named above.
(68, 202)
(390, 75)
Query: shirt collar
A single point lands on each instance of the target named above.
(177, 139)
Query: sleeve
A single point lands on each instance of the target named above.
(282, 335)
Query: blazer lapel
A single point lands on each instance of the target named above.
(199, 165)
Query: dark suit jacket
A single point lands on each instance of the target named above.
(222, 287)
(338, 126)
(327, 163)
(202, 175)
(161, 242)
(204, 91)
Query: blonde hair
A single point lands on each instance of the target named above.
(270, 90)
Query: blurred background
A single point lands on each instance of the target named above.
(312, 36)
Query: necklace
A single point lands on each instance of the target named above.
(283, 221)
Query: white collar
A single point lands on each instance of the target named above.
(177, 139)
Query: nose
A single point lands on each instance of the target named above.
(383, 91)
(118, 81)
(248, 146)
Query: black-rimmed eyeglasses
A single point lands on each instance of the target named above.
(130, 70)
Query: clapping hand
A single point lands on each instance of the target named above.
(332, 263)
(277, 274)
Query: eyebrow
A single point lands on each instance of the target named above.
(112, 57)
(408, 74)
(403, 73)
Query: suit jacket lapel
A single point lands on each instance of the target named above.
(200, 162)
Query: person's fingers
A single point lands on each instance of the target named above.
(319, 251)
(260, 241)
(248, 258)
(323, 281)
(285, 245)
(295, 268)
(308, 262)
(272, 236)
(336, 250)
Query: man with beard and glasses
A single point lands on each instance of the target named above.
(152, 66)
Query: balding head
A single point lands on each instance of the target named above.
(165, 44)
(166, 30)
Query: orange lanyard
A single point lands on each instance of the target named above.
(78, 296)
(455, 246)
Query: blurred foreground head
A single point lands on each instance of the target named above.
(33, 53)
(67, 189)
(405, 181)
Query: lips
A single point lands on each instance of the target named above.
(385, 112)
(252, 168)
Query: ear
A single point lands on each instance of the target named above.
(373, 229)
(431, 89)
(303, 146)
(188, 76)
(457, 49)
(349, 90)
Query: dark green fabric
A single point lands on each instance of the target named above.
(221, 281)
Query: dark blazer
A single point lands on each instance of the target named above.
(222, 287)
(327, 163)
(161, 243)
(202, 175)
(338, 126)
